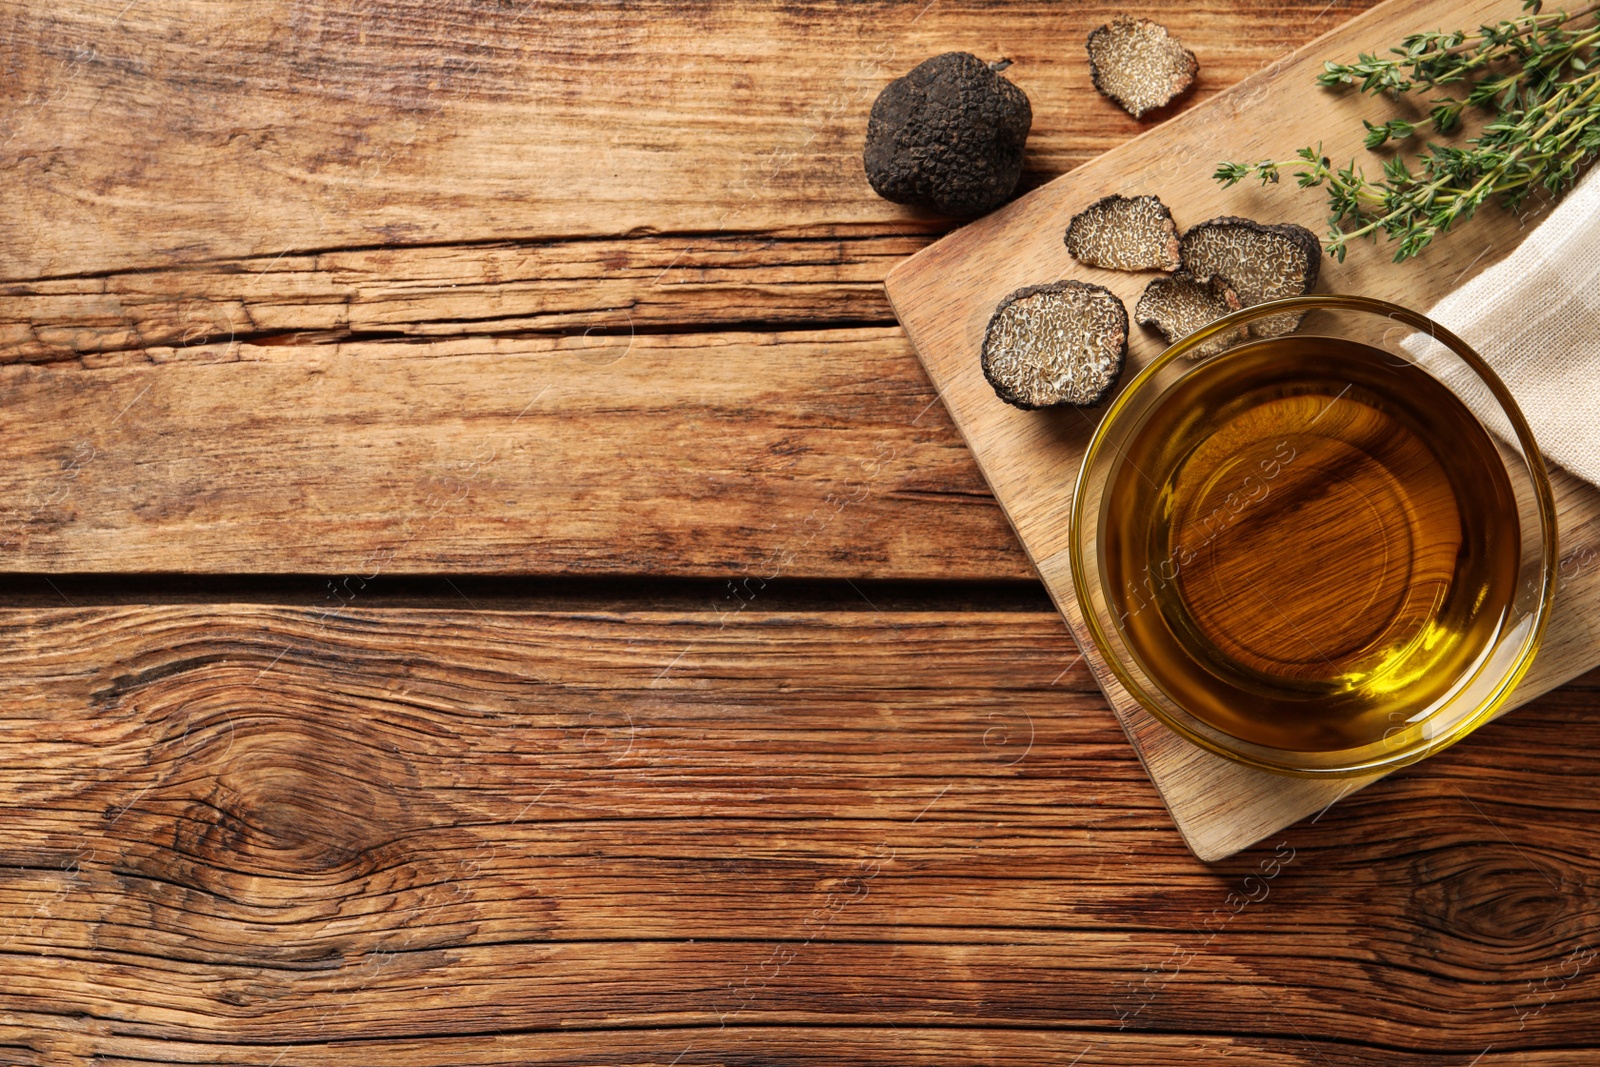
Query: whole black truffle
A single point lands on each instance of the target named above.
(949, 135)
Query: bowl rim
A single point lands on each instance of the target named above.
(1543, 495)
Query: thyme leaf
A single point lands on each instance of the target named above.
(1538, 77)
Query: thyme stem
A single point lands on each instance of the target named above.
(1538, 76)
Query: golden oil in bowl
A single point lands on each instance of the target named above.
(1309, 544)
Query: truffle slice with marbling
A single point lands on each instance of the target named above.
(1261, 263)
(1060, 343)
(1139, 64)
(1124, 233)
(1180, 305)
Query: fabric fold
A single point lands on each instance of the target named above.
(1535, 318)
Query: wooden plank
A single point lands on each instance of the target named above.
(946, 295)
(596, 288)
(747, 457)
(152, 134)
(241, 833)
(869, 1043)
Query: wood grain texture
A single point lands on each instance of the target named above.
(255, 834)
(596, 288)
(194, 184)
(743, 456)
(946, 294)
(276, 280)
(158, 134)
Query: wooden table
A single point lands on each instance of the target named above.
(488, 583)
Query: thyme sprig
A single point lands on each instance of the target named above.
(1538, 76)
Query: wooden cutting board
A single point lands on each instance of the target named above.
(945, 294)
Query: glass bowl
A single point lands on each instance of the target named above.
(1425, 711)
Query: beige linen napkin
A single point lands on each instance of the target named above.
(1535, 317)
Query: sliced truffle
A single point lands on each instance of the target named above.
(949, 135)
(1139, 64)
(1061, 343)
(1181, 304)
(1260, 262)
(1124, 233)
